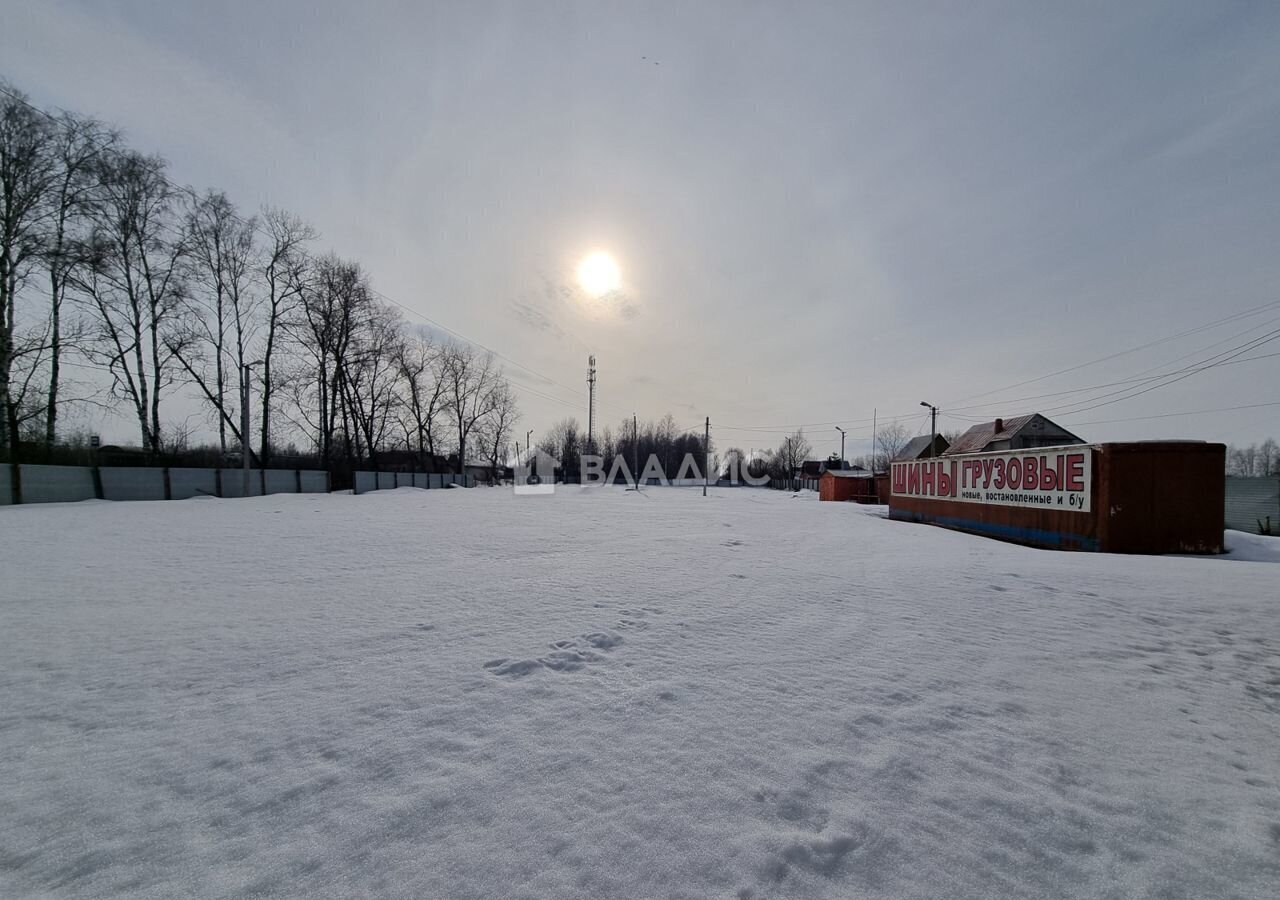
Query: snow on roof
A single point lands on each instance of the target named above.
(848, 473)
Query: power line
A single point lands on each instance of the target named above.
(1180, 374)
(1094, 387)
(1192, 412)
(1164, 340)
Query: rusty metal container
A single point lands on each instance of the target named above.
(1148, 497)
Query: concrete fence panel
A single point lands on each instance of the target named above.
(385, 481)
(131, 483)
(233, 483)
(69, 484)
(187, 483)
(281, 481)
(314, 482)
(57, 484)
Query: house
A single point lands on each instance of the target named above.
(813, 468)
(1016, 433)
(923, 447)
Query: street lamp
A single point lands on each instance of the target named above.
(933, 421)
(244, 419)
(841, 430)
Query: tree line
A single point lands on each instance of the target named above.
(1254, 460)
(634, 441)
(109, 268)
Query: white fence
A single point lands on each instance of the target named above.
(793, 484)
(1251, 502)
(20, 483)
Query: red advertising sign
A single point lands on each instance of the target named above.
(1054, 478)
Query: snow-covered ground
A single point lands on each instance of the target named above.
(609, 695)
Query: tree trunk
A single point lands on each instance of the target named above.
(55, 359)
(8, 430)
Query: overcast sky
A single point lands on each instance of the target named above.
(818, 209)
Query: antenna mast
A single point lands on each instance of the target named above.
(591, 403)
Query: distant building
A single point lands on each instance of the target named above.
(1016, 433)
(918, 447)
(813, 468)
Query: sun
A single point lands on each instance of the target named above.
(598, 274)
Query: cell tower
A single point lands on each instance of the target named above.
(591, 401)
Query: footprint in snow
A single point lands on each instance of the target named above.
(567, 655)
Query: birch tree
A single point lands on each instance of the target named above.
(134, 287)
(284, 271)
(28, 171)
(78, 145)
(222, 306)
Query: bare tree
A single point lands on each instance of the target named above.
(563, 441)
(28, 172)
(284, 271)
(495, 428)
(791, 454)
(345, 385)
(79, 143)
(890, 440)
(221, 326)
(134, 288)
(1255, 460)
(370, 376)
(423, 391)
(1269, 457)
(470, 379)
(321, 329)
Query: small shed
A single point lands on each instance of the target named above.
(857, 485)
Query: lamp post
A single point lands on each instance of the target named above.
(841, 430)
(245, 370)
(933, 420)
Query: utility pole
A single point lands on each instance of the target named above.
(706, 457)
(841, 430)
(933, 419)
(635, 450)
(527, 435)
(591, 403)
(873, 440)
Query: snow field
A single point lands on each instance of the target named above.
(603, 694)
